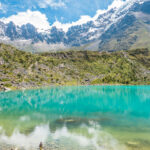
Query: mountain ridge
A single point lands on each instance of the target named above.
(86, 35)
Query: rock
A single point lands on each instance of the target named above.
(2, 61)
(61, 66)
(132, 144)
(7, 89)
(41, 146)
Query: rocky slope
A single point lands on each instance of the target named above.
(132, 31)
(20, 69)
(122, 28)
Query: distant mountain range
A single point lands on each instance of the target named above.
(127, 27)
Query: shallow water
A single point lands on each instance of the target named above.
(76, 118)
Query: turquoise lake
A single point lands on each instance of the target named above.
(76, 118)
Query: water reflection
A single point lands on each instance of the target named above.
(96, 115)
(83, 137)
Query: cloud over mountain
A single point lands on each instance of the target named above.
(35, 18)
(32, 28)
(40, 20)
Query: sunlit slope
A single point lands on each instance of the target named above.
(20, 69)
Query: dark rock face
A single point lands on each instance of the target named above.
(125, 33)
(113, 24)
(145, 7)
(117, 31)
(56, 36)
(29, 32)
(11, 31)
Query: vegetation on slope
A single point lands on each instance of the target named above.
(20, 69)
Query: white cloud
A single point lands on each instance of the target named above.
(2, 8)
(116, 4)
(40, 20)
(65, 27)
(40, 133)
(51, 3)
(35, 18)
(85, 19)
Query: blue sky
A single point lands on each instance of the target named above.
(62, 10)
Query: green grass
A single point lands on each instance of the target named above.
(23, 69)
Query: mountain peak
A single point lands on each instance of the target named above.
(89, 34)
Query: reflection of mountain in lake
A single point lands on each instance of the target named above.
(95, 114)
(81, 137)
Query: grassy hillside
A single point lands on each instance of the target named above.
(20, 69)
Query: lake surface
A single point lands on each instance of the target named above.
(76, 118)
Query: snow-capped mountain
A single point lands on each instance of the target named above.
(105, 31)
